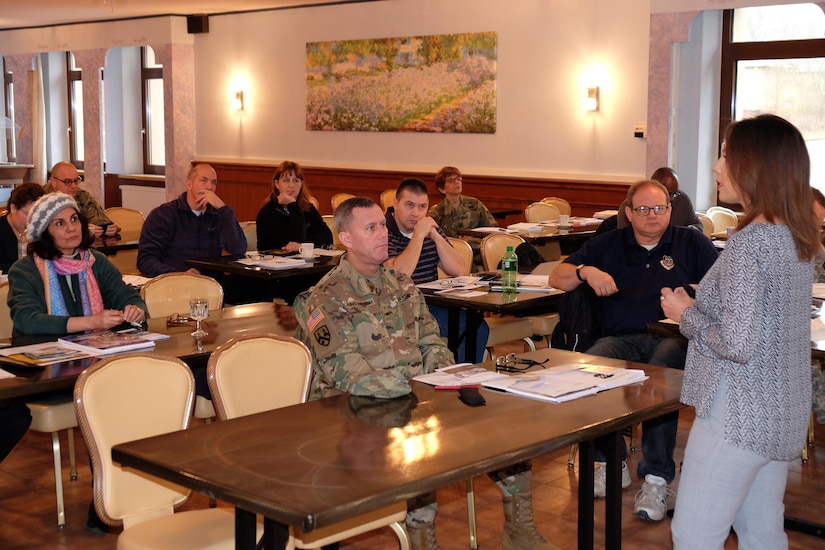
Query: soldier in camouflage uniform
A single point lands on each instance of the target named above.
(369, 331)
(457, 211)
(64, 178)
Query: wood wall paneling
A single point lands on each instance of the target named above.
(247, 186)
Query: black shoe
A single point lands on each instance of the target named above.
(94, 524)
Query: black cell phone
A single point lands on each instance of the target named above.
(471, 397)
(690, 290)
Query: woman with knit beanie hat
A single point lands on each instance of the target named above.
(62, 286)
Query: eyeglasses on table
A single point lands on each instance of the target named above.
(509, 362)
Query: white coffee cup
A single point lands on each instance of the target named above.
(307, 250)
(564, 220)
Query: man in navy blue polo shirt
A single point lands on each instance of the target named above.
(627, 269)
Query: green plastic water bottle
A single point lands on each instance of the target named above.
(509, 271)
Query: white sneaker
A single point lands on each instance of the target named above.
(651, 500)
(600, 479)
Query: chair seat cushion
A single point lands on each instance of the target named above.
(543, 325)
(351, 527)
(211, 529)
(52, 416)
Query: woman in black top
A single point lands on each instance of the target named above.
(13, 224)
(288, 218)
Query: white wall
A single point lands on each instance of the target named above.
(544, 48)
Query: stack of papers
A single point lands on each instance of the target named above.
(528, 283)
(493, 230)
(604, 214)
(106, 342)
(566, 382)
(462, 374)
(44, 354)
(533, 227)
(465, 286)
(274, 263)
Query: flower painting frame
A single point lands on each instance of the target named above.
(437, 83)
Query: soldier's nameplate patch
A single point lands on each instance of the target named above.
(316, 317)
(667, 262)
(322, 335)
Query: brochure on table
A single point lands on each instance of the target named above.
(90, 345)
(462, 374)
(106, 342)
(44, 354)
(276, 262)
(566, 382)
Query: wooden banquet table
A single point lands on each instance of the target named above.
(314, 464)
(221, 325)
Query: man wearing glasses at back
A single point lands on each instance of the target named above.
(627, 269)
(64, 178)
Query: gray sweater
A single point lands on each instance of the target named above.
(751, 321)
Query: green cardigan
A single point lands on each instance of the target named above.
(27, 296)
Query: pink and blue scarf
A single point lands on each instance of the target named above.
(50, 270)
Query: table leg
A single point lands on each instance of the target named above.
(245, 538)
(587, 454)
(453, 331)
(474, 320)
(613, 506)
(276, 535)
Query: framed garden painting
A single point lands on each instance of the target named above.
(437, 83)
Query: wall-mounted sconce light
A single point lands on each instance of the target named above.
(237, 102)
(591, 103)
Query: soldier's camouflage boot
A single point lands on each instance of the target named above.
(520, 533)
(422, 537)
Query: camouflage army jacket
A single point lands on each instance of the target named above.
(87, 205)
(367, 340)
(469, 214)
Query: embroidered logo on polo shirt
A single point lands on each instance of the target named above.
(667, 262)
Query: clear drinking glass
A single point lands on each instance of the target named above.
(199, 310)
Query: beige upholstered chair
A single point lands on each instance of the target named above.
(387, 198)
(722, 218)
(170, 293)
(707, 223)
(111, 402)
(130, 222)
(50, 415)
(244, 380)
(561, 204)
(315, 203)
(503, 329)
(250, 231)
(541, 212)
(329, 220)
(466, 251)
(338, 198)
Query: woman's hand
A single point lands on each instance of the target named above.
(292, 246)
(104, 320)
(675, 302)
(133, 314)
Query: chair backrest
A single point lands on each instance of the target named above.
(170, 293)
(315, 203)
(466, 251)
(250, 231)
(722, 218)
(244, 377)
(338, 198)
(124, 398)
(387, 198)
(541, 212)
(330, 221)
(493, 248)
(129, 220)
(6, 325)
(707, 223)
(558, 202)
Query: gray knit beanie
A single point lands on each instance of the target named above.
(43, 212)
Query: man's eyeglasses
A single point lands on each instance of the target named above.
(77, 181)
(507, 363)
(645, 211)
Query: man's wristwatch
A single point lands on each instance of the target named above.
(579, 273)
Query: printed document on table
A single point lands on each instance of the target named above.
(566, 382)
(274, 263)
(465, 282)
(461, 374)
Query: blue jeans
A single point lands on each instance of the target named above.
(658, 434)
(441, 314)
